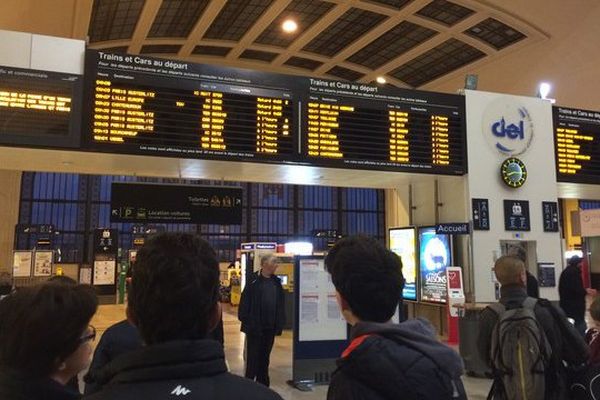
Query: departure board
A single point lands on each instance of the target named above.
(39, 107)
(152, 106)
(577, 145)
(361, 126)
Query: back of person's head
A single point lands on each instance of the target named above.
(174, 288)
(595, 309)
(62, 279)
(574, 261)
(41, 326)
(367, 276)
(509, 270)
(518, 252)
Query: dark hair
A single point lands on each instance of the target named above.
(367, 275)
(595, 309)
(41, 326)
(174, 288)
(62, 280)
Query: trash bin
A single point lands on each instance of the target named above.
(468, 328)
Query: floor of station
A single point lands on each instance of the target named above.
(281, 357)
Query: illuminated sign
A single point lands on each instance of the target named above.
(363, 126)
(39, 108)
(577, 145)
(142, 106)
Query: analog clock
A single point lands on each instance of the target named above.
(513, 172)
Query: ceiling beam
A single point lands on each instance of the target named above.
(143, 25)
(208, 16)
(81, 19)
(258, 27)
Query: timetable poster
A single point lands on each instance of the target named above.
(348, 124)
(151, 106)
(577, 145)
(435, 256)
(42, 264)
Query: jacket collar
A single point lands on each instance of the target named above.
(171, 360)
(512, 292)
(48, 389)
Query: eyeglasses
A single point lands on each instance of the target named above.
(90, 335)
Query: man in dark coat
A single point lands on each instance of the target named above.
(118, 339)
(262, 313)
(572, 293)
(385, 360)
(566, 345)
(173, 303)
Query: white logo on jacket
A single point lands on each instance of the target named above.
(180, 390)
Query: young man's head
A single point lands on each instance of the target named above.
(367, 277)
(510, 270)
(174, 288)
(595, 309)
(268, 264)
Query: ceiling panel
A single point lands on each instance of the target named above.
(160, 48)
(397, 4)
(176, 18)
(211, 50)
(305, 63)
(259, 55)
(445, 12)
(345, 30)
(345, 73)
(392, 44)
(114, 19)
(303, 12)
(441, 60)
(236, 17)
(495, 33)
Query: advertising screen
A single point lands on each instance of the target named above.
(402, 242)
(435, 255)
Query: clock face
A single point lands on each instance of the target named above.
(513, 172)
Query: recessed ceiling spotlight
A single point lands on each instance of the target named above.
(289, 26)
(381, 79)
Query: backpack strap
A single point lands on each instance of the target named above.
(530, 303)
(498, 308)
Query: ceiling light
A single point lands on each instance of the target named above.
(544, 90)
(289, 26)
(381, 79)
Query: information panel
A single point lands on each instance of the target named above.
(151, 106)
(183, 204)
(577, 144)
(364, 126)
(39, 108)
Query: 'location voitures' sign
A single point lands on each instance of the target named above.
(184, 204)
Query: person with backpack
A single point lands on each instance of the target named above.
(527, 342)
(385, 360)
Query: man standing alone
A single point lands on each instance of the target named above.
(262, 315)
(572, 293)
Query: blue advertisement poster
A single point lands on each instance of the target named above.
(435, 256)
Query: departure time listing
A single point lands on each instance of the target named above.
(215, 119)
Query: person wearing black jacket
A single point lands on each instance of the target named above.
(566, 344)
(118, 339)
(572, 293)
(173, 303)
(262, 313)
(385, 361)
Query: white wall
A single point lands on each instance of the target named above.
(47, 53)
(484, 182)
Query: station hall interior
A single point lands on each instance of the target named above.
(477, 58)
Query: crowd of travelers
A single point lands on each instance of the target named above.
(171, 344)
